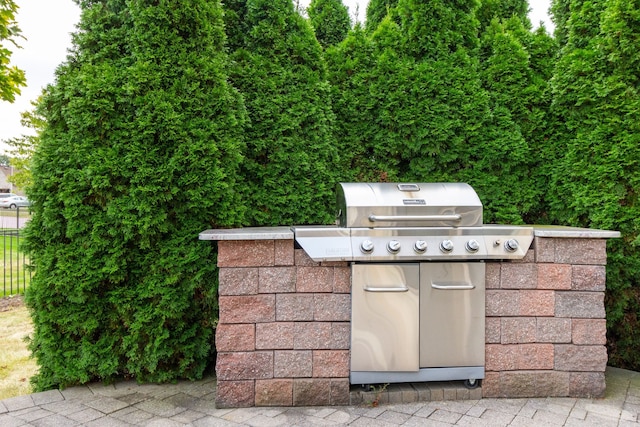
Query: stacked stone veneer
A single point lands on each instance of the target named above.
(284, 331)
(545, 325)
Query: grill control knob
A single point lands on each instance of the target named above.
(366, 247)
(511, 245)
(393, 247)
(420, 246)
(472, 246)
(446, 246)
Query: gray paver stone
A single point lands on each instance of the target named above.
(19, 402)
(160, 407)
(107, 405)
(55, 420)
(45, 397)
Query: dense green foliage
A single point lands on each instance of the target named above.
(171, 118)
(596, 96)
(412, 107)
(11, 77)
(139, 155)
(289, 170)
(330, 21)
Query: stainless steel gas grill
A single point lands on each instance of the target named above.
(418, 293)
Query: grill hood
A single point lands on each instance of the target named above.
(411, 222)
(375, 205)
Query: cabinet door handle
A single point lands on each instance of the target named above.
(369, 289)
(452, 287)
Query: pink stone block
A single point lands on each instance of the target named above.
(518, 330)
(284, 252)
(492, 275)
(491, 385)
(545, 249)
(294, 307)
(581, 251)
(311, 392)
(276, 392)
(535, 356)
(554, 276)
(314, 279)
(553, 330)
(340, 336)
(537, 303)
(342, 280)
(580, 358)
(552, 384)
(235, 337)
(340, 395)
(501, 303)
(302, 259)
(235, 394)
(246, 253)
(589, 331)
(492, 330)
(330, 363)
(238, 281)
(589, 278)
(500, 357)
(247, 308)
(312, 335)
(276, 335)
(293, 364)
(277, 280)
(577, 304)
(518, 276)
(518, 384)
(244, 365)
(332, 307)
(589, 385)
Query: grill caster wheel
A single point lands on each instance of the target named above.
(471, 383)
(367, 387)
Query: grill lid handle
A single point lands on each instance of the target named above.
(379, 218)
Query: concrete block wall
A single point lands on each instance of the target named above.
(545, 324)
(283, 336)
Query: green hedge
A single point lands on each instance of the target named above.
(140, 154)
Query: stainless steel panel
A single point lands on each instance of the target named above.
(411, 205)
(385, 317)
(452, 310)
(327, 243)
(490, 240)
(424, 374)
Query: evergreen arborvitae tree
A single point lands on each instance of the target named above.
(351, 72)
(516, 66)
(596, 93)
(236, 26)
(560, 12)
(502, 10)
(289, 169)
(377, 10)
(330, 21)
(139, 155)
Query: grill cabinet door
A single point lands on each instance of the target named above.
(452, 320)
(385, 317)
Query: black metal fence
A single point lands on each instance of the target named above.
(16, 275)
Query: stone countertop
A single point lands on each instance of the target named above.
(286, 233)
(559, 231)
(248, 233)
